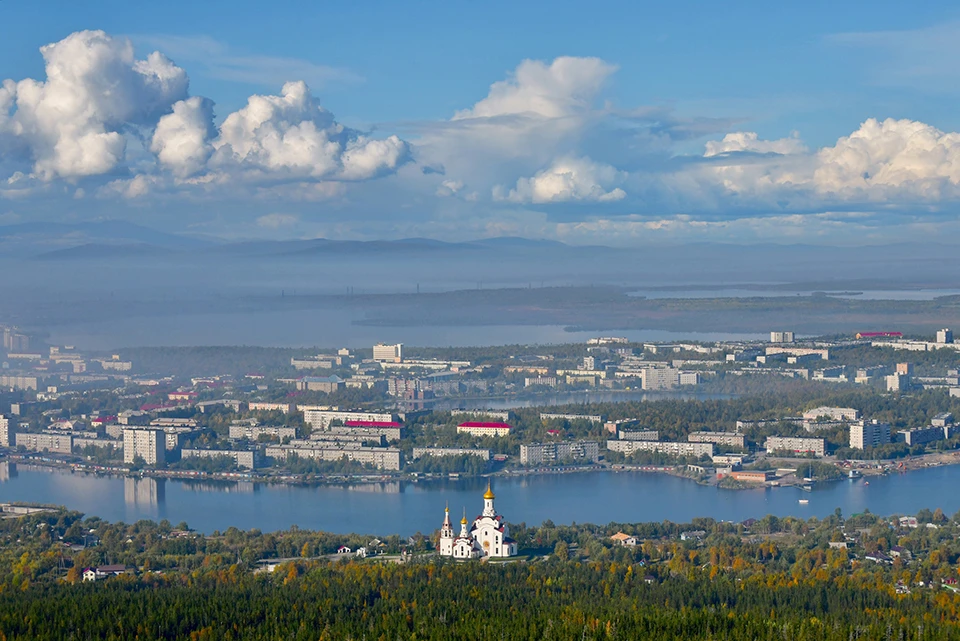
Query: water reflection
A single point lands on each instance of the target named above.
(143, 493)
(392, 487)
(228, 487)
(8, 471)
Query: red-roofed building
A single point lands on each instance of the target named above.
(479, 428)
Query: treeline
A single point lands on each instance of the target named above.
(544, 601)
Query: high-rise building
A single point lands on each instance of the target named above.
(944, 336)
(781, 337)
(864, 434)
(388, 353)
(660, 378)
(7, 438)
(148, 444)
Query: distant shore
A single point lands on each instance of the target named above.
(865, 468)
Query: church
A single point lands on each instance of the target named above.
(487, 537)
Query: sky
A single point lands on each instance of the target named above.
(617, 123)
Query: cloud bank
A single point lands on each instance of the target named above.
(544, 152)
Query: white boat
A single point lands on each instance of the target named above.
(804, 501)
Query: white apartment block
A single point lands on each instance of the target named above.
(796, 445)
(383, 458)
(865, 434)
(660, 378)
(832, 413)
(248, 459)
(286, 408)
(388, 353)
(731, 439)
(49, 442)
(540, 453)
(148, 444)
(7, 433)
(484, 429)
(674, 448)
(321, 419)
(254, 432)
(593, 418)
(781, 337)
(419, 452)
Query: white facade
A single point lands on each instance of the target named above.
(487, 537)
(660, 378)
(321, 419)
(869, 434)
(540, 453)
(6, 433)
(781, 337)
(388, 353)
(148, 444)
(833, 413)
(484, 429)
(720, 438)
(797, 445)
(944, 336)
(674, 448)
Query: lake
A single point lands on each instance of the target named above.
(407, 507)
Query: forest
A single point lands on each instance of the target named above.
(772, 578)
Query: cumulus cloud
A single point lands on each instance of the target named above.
(182, 138)
(748, 141)
(566, 180)
(565, 87)
(888, 160)
(100, 111)
(893, 157)
(72, 123)
(291, 134)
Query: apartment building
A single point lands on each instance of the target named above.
(547, 453)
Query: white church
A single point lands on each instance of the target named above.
(488, 537)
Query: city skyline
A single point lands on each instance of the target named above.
(828, 126)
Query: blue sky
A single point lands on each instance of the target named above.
(613, 122)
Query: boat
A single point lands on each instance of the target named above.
(854, 474)
(866, 482)
(806, 488)
(804, 501)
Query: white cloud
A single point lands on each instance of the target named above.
(71, 124)
(892, 160)
(748, 141)
(292, 135)
(568, 179)
(182, 138)
(565, 87)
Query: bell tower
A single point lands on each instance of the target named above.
(488, 497)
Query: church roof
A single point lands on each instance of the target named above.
(489, 495)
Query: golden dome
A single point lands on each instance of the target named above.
(488, 495)
(463, 521)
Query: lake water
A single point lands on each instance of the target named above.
(299, 328)
(568, 398)
(408, 507)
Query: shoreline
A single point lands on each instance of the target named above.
(866, 468)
